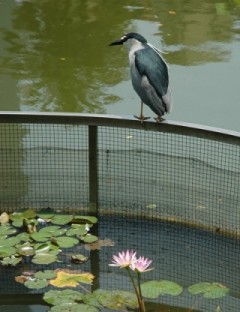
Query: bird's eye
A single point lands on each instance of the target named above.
(124, 38)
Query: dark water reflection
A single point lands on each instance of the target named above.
(54, 56)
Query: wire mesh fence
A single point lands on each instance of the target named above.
(168, 190)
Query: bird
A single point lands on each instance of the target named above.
(149, 74)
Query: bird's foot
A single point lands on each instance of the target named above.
(141, 118)
(159, 119)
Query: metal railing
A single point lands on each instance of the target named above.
(207, 139)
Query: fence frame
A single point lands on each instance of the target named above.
(93, 121)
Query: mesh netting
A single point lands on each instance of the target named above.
(172, 197)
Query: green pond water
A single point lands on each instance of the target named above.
(54, 56)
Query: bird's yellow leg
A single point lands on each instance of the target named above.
(141, 117)
(159, 119)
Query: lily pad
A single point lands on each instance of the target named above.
(57, 297)
(117, 300)
(26, 250)
(153, 289)
(12, 260)
(92, 300)
(42, 248)
(18, 223)
(46, 214)
(84, 219)
(209, 290)
(50, 230)
(46, 274)
(61, 219)
(79, 231)
(11, 241)
(36, 283)
(89, 238)
(39, 237)
(44, 258)
(47, 232)
(74, 307)
(79, 258)
(66, 278)
(23, 237)
(27, 214)
(66, 242)
(7, 251)
(6, 229)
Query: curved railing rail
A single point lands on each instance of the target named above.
(169, 126)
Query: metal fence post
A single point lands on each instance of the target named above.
(93, 169)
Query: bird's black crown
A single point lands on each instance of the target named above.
(133, 35)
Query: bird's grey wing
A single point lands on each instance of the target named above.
(150, 64)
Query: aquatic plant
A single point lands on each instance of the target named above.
(129, 261)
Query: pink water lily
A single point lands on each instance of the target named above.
(141, 265)
(129, 261)
(124, 259)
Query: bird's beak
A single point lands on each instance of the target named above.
(118, 41)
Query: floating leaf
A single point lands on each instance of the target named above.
(23, 237)
(117, 300)
(29, 214)
(46, 214)
(67, 279)
(18, 223)
(209, 290)
(73, 307)
(16, 216)
(66, 242)
(6, 229)
(11, 260)
(86, 226)
(46, 274)
(89, 238)
(84, 219)
(47, 232)
(42, 248)
(6, 251)
(92, 300)
(57, 297)
(61, 219)
(99, 244)
(44, 258)
(153, 289)
(26, 250)
(40, 237)
(36, 283)
(79, 231)
(50, 230)
(21, 279)
(11, 241)
(79, 258)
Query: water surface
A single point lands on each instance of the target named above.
(54, 56)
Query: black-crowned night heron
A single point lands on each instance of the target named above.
(149, 74)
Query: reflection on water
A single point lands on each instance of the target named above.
(54, 55)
